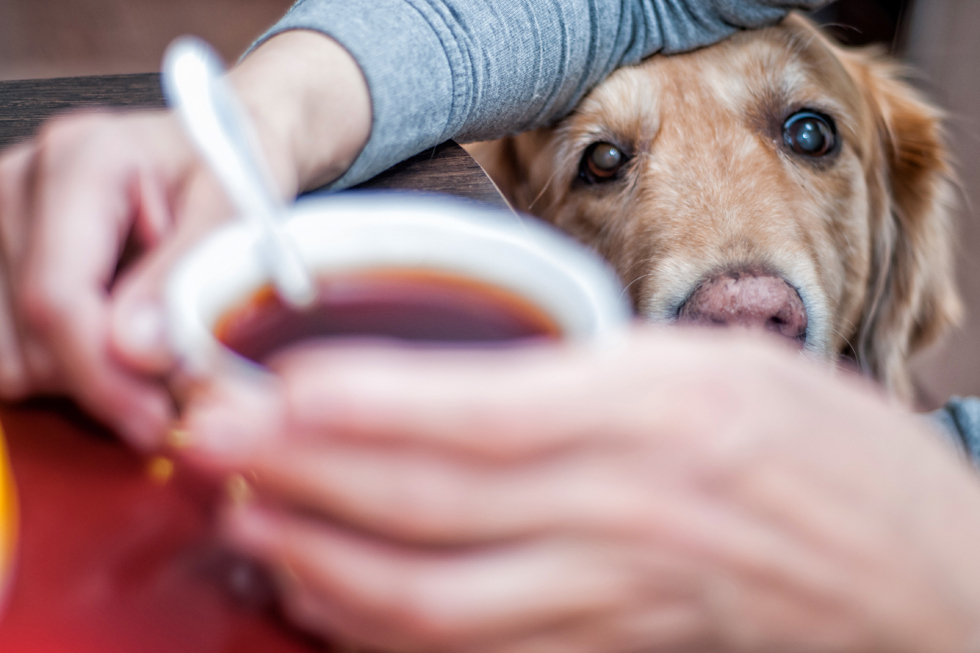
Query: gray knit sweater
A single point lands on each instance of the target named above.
(479, 69)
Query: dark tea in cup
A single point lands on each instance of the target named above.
(396, 267)
(402, 304)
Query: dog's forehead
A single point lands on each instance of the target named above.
(783, 67)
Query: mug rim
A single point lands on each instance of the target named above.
(364, 231)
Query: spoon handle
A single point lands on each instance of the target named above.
(215, 121)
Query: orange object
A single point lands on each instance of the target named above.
(8, 520)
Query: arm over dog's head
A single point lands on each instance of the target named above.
(774, 180)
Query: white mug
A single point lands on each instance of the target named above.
(361, 232)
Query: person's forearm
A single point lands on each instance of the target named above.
(310, 104)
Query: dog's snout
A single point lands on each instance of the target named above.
(746, 299)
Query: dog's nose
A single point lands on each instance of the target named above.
(746, 299)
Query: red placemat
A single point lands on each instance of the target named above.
(112, 559)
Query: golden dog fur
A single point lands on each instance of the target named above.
(863, 235)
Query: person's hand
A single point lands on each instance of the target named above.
(94, 188)
(689, 492)
(69, 199)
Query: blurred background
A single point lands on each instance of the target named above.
(57, 38)
(939, 38)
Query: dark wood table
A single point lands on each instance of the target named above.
(24, 105)
(112, 556)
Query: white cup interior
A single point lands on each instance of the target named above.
(362, 232)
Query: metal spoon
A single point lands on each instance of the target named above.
(194, 84)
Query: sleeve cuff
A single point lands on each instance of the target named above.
(406, 67)
(960, 421)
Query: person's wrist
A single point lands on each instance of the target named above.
(310, 104)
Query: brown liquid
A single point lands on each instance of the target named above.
(400, 304)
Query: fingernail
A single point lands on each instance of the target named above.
(142, 331)
(179, 438)
(239, 490)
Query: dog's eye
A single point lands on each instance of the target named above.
(810, 134)
(602, 162)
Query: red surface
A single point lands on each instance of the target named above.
(111, 561)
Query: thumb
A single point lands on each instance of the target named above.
(138, 336)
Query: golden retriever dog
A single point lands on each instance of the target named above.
(775, 181)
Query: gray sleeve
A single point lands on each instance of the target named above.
(479, 69)
(959, 419)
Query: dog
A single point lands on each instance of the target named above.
(775, 181)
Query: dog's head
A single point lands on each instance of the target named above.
(773, 180)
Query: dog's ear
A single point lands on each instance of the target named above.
(514, 163)
(912, 299)
(500, 161)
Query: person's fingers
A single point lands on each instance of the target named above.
(15, 167)
(404, 497)
(40, 368)
(404, 599)
(522, 401)
(318, 392)
(415, 496)
(138, 332)
(670, 626)
(504, 403)
(82, 213)
(16, 188)
(227, 422)
(316, 615)
(13, 372)
(401, 492)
